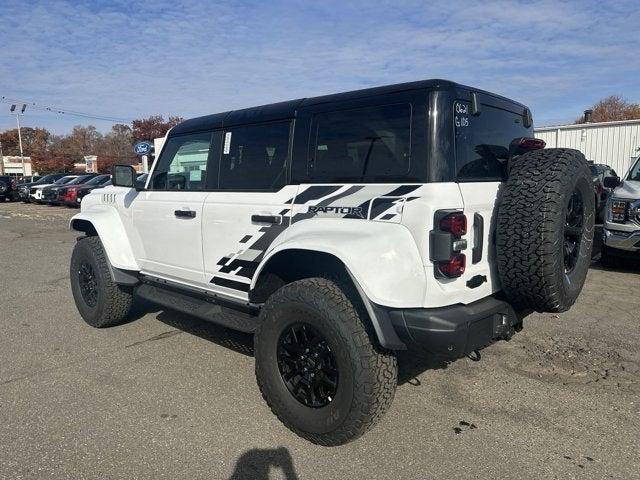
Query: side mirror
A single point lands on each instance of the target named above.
(611, 182)
(123, 176)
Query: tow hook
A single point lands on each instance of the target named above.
(474, 356)
(504, 330)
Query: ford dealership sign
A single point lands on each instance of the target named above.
(142, 148)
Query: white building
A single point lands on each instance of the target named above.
(612, 143)
(12, 165)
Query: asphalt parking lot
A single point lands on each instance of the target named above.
(165, 396)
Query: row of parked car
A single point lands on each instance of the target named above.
(55, 188)
(62, 189)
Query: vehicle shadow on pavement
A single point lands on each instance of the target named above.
(412, 363)
(237, 341)
(257, 463)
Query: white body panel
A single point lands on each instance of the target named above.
(232, 242)
(383, 258)
(384, 244)
(170, 246)
(111, 225)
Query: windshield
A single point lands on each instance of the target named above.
(63, 180)
(46, 179)
(97, 180)
(79, 180)
(634, 173)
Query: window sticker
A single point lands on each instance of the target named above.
(461, 118)
(227, 143)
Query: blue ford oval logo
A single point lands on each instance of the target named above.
(142, 148)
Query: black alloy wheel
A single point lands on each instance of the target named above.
(573, 227)
(307, 365)
(88, 284)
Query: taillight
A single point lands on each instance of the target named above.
(522, 145)
(600, 189)
(446, 243)
(455, 224)
(454, 267)
(527, 143)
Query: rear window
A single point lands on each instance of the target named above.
(365, 144)
(254, 157)
(482, 141)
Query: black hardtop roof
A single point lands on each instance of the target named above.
(283, 110)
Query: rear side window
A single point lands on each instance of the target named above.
(254, 157)
(482, 141)
(183, 163)
(365, 144)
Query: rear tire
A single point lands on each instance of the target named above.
(366, 374)
(545, 227)
(100, 301)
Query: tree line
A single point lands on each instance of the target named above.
(58, 153)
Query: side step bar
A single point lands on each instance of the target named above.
(199, 306)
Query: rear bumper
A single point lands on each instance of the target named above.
(455, 330)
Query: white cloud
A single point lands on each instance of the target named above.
(131, 59)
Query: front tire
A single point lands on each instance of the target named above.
(317, 366)
(100, 301)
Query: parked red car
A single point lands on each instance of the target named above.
(69, 195)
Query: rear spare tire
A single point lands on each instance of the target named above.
(544, 231)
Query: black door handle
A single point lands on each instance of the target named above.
(266, 218)
(185, 213)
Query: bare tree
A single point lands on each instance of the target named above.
(153, 127)
(613, 108)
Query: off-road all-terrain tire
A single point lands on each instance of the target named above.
(537, 225)
(367, 374)
(100, 301)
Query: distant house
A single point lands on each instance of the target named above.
(12, 165)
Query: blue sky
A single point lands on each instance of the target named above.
(128, 59)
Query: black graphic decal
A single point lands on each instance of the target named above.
(315, 192)
(225, 282)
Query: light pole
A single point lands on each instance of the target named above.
(13, 109)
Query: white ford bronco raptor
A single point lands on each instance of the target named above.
(340, 230)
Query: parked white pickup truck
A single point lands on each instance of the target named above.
(622, 221)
